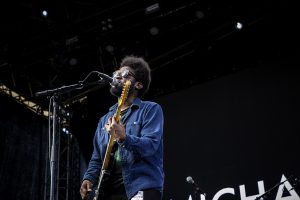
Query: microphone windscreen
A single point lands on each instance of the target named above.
(189, 179)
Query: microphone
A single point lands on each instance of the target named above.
(105, 77)
(190, 180)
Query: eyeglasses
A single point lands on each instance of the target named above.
(124, 74)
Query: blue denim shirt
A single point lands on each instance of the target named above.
(141, 152)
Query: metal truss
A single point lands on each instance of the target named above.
(69, 168)
(67, 180)
(22, 100)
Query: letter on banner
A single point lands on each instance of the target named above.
(261, 190)
(222, 192)
(288, 186)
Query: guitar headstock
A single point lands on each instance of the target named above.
(124, 93)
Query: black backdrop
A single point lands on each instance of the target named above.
(233, 131)
(23, 147)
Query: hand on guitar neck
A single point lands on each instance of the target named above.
(117, 129)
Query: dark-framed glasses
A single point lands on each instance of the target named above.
(123, 73)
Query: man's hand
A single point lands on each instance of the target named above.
(117, 129)
(85, 188)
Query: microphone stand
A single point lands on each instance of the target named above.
(198, 192)
(55, 106)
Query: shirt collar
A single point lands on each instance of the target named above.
(136, 103)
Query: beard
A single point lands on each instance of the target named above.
(117, 88)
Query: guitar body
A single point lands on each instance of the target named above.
(104, 173)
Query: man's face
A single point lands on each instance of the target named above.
(119, 78)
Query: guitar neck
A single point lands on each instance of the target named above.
(117, 118)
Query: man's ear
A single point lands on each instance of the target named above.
(138, 85)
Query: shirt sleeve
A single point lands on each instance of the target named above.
(151, 133)
(94, 167)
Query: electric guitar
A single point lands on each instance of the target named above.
(104, 169)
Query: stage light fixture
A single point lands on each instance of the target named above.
(154, 30)
(73, 61)
(65, 130)
(110, 48)
(106, 24)
(238, 25)
(45, 13)
(199, 14)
